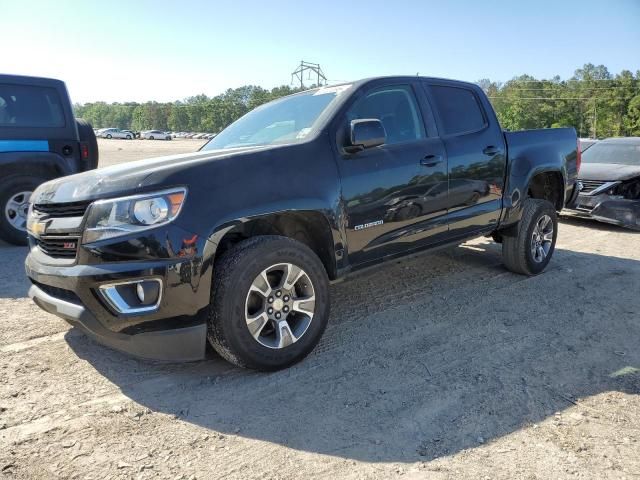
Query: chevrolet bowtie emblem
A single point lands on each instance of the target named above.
(38, 228)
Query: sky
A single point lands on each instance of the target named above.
(139, 50)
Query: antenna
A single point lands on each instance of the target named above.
(310, 68)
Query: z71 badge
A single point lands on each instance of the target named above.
(368, 225)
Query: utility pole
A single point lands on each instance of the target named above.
(309, 67)
(595, 118)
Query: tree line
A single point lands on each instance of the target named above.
(194, 114)
(593, 101)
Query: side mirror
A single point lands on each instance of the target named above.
(366, 133)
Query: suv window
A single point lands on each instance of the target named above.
(30, 106)
(396, 107)
(459, 109)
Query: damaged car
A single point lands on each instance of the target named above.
(610, 179)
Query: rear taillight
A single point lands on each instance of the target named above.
(84, 150)
(578, 157)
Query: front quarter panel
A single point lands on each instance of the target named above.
(234, 189)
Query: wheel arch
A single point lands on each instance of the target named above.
(310, 227)
(547, 184)
(45, 165)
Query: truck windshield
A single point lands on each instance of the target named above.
(621, 153)
(284, 121)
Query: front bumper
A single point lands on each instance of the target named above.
(175, 345)
(604, 208)
(174, 330)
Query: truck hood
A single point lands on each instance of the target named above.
(126, 178)
(608, 171)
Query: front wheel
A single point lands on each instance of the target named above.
(128, 137)
(151, 138)
(270, 303)
(530, 250)
(109, 136)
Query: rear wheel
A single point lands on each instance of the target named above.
(270, 303)
(15, 193)
(109, 136)
(530, 250)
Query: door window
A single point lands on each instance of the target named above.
(459, 109)
(396, 107)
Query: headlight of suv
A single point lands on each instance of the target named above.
(115, 217)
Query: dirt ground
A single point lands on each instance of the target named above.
(441, 366)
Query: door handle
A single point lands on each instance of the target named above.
(431, 160)
(491, 150)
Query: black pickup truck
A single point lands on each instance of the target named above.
(39, 140)
(238, 242)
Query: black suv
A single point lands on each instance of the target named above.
(39, 140)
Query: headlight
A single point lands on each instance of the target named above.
(121, 216)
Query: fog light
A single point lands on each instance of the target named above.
(140, 292)
(133, 297)
(148, 291)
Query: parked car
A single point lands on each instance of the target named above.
(116, 133)
(39, 140)
(610, 182)
(155, 135)
(586, 143)
(237, 243)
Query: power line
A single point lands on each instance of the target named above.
(565, 86)
(565, 81)
(545, 98)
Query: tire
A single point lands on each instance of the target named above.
(109, 136)
(151, 138)
(269, 348)
(88, 136)
(14, 188)
(518, 250)
(128, 137)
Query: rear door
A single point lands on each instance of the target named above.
(395, 194)
(476, 154)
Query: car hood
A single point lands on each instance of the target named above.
(127, 178)
(608, 171)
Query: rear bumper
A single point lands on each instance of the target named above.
(604, 208)
(174, 345)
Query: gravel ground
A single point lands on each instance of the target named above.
(440, 366)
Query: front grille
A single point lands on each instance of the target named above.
(71, 209)
(57, 292)
(589, 186)
(58, 246)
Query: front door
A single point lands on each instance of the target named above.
(395, 195)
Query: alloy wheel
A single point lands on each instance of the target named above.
(542, 238)
(280, 305)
